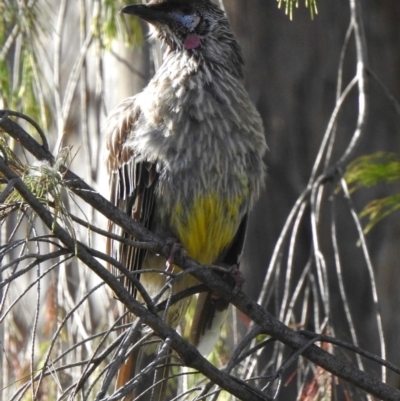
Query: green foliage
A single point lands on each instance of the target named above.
(380, 208)
(24, 28)
(20, 27)
(26, 92)
(4, 81)
(373, 169)
(290, 4)
(113, 25)
(370, 170)
(43, 180)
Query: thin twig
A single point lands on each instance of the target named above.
(188, 354)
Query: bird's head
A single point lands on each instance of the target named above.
(188, 25)
(181, 24)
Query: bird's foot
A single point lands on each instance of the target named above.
(174, 248)
(230, 272)
(239, 279)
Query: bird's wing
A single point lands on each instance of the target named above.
(132, 184)
(211, 312)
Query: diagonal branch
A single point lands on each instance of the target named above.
(188, 353)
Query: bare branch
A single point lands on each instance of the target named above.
(189, 355)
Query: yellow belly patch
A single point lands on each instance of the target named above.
(208, 226)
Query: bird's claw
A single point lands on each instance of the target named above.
(239, 281)
(173, 247)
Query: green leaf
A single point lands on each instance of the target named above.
(290, 4)
(370, 170)
(378, 209)
(113, 25)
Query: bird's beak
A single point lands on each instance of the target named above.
(149, 14)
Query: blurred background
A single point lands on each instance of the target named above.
(68, 63)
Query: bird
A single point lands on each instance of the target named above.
(186, 159)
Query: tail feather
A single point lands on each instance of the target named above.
(125, 373)
(154, 384)
(209, 316)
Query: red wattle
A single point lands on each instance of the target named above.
(192, 42)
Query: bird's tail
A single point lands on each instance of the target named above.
(209, 316)
(149, 369)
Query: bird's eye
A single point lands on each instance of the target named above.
(196, 21)
(189, 21)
